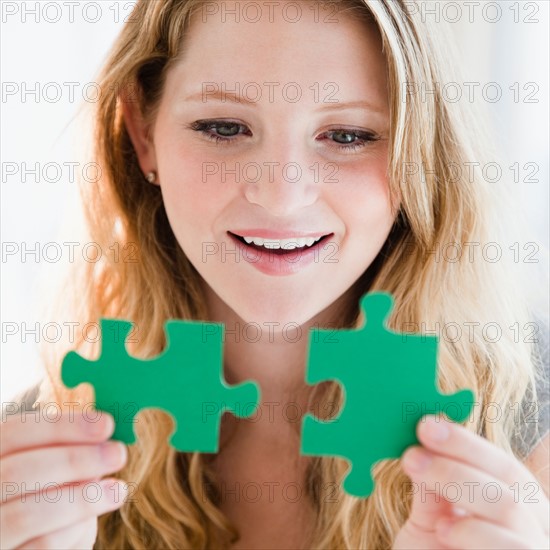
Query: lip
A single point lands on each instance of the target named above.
(279, 234)
(270, 263)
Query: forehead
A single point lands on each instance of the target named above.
(304, 47)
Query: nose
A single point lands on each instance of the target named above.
(285, 182)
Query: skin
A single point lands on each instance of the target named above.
(62, 457)
(201, 210)
(518, 519)
(356, 209)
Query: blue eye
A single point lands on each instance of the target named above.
(359, 138)
(227, 131)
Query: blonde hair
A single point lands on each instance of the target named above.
(171, 508)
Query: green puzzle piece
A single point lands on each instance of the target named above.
(389, 383)
(185, 380)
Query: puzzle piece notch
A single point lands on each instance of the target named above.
(184, 380)
(390, 363)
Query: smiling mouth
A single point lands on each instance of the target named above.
(281, 246)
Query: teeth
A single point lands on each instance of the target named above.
(285, 244)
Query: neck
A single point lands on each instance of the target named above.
(276, 360)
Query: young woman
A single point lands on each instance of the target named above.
(223, 138)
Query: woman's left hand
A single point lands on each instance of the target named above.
(469, 493)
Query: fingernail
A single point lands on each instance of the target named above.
(115, 490)
(417, 460)
(102, 425)
(459, 512)
(436, 429)
(113, 453)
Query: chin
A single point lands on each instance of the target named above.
(272, 311)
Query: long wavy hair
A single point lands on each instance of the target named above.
(151, 279)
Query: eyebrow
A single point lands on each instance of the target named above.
(337, 105)
(233, 97)
(220, 95)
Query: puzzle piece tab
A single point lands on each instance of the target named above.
(389, 383)
(185, 380)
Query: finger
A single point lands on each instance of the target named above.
(471, 489)
(33, 516)
(18, 433)
(88, 538)
(447, 438)
(80, 535)
(475, 534)
(32, 470)
(426, 509)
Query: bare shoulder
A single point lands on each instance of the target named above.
(538, 462)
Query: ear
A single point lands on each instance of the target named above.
(138, 131)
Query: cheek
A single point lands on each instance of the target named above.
(364, 197)
(363, 204)
(193, 191)
(192, 209)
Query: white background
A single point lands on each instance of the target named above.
(34, 131)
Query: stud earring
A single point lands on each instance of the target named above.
(151, 176)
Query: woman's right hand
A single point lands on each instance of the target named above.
(52, 491)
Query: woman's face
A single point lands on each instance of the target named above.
(303, 154)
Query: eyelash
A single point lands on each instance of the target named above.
(203, 126)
